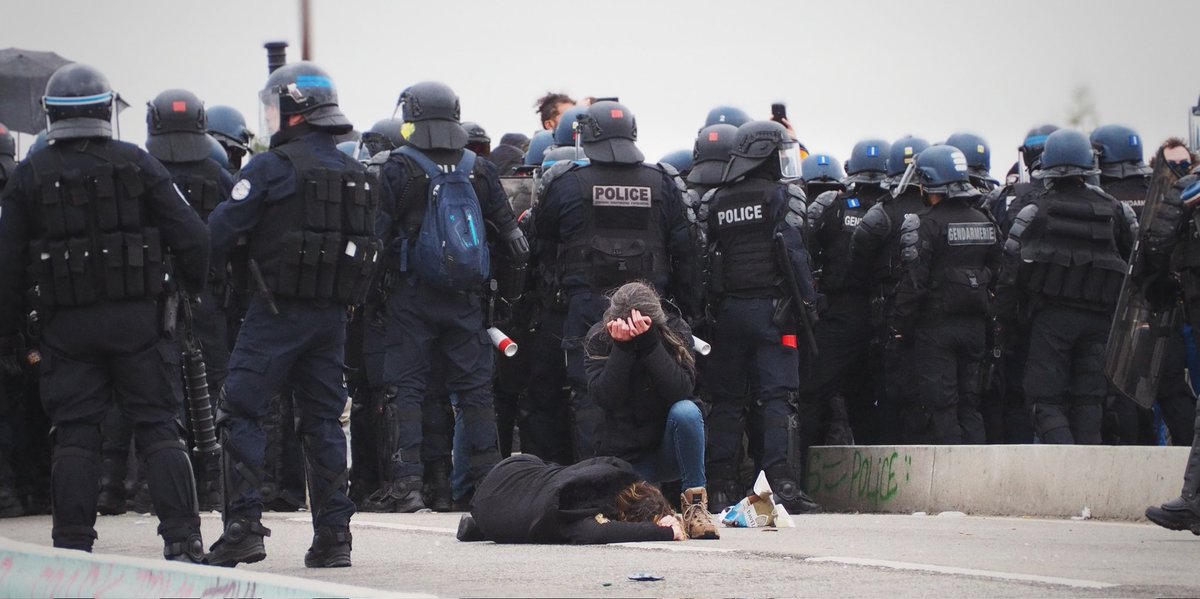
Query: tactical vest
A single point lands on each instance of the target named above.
(96, 242)
(1071, 248)
(201, 187)
(959, 277)
(841, 219)
(1130, 191)
(744, 234)
(328, 249)
(621, 239)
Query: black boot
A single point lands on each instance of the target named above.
(436, 491)
(242, 543)
(1178, 514)
(402, 496)
(788, 493)
(111, 501)
(190, 550)
(723, 493)
(330, 549)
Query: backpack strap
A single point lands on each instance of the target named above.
(465, 165)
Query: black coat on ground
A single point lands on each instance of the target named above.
(526, 500)
(635, 383)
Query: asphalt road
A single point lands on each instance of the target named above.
(826, 555)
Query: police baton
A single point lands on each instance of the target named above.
(261, 283)
(789, 275)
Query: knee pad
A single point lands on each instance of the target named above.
(81, 435)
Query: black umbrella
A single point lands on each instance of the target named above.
(23, 76)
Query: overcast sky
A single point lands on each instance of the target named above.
(847, 69)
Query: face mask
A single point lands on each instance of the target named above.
(1179, 168)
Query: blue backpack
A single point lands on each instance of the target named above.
(451, 250)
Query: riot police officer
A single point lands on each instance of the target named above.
(979, 160)
(430, 316)
(609, 222)
(951, 252)
(1004, 202)
(1064, 263)
(838, 381)
(821, 173)
(8, 156)
(91, 219)
(308, 214)
(228, 127)
(10, 371)
(176, 121)
(757, 249)
(384, 136)
(478, 140)
(875, 252)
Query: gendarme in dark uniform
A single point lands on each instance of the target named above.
(307, 212)
(951, 252)
(1064, 263)
(92, 220)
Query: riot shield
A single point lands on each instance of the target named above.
(1141, 328)
(519, 191)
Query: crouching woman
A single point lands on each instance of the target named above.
(642, 374)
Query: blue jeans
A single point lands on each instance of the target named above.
(681, 454)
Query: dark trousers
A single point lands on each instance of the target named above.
(948, 353)
(752, 370)
(92, 356)
(584, 309)
(545, 415)
(304, 346)
(840, 370)
(426, 324)
(1064, 373)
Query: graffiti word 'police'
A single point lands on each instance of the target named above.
(740, 215)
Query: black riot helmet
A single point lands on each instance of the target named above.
(977, 152)
(176, 122)
(431, 113)
(868, 161)
(727, 115)
(216, 151)
(763, 143)
(79, 103)
(538, 146)
(477, 139)
(1067, 153)
(609, 131)
(942, 169)
(1120, 152)
(711, 154)
(384, 136)
(306, 89)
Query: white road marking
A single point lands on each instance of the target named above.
(409, 527)
(880, 563)
(673, 546)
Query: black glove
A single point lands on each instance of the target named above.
(515, 243)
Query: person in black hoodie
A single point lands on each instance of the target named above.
(642, 374)
(599, 500)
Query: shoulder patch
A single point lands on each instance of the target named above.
(970, 234)
(240, 191)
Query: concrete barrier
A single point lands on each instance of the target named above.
(35, 571)
(1000, 480)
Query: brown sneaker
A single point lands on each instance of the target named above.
(697, 523)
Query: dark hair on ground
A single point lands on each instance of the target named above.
(641, 296)
(547, 104)
(642, 502)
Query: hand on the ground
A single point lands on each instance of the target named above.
(673, 523)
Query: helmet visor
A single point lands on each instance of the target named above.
(268, 112)
(789, 160)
